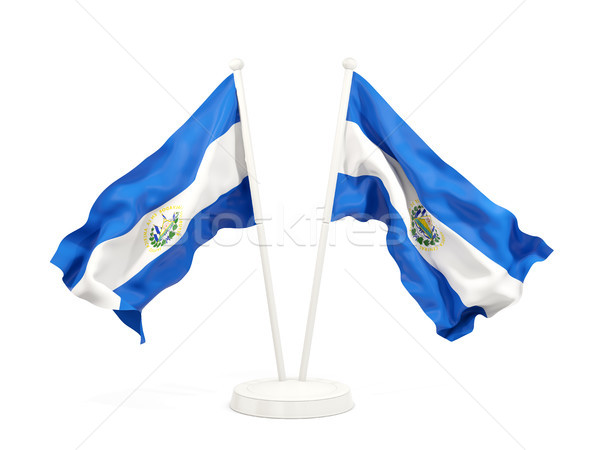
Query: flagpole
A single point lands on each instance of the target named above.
(290, 398)
(236, 66)
(349, 65)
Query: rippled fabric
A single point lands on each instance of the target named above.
(116, 260)
(479, 258)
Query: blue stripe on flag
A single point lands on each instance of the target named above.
(366, 198)
(160, 177)
(231, 210)
(442, 190)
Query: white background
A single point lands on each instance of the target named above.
(507, 93)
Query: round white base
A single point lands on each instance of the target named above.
(291, 399)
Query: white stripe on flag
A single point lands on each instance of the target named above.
(117, 260)
(477, 280)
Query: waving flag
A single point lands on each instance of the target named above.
(459, 254)
(143, 230)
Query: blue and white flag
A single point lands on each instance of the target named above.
(459, 254)
(143, 230)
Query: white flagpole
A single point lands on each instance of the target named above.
(338, 145)
(236, 66)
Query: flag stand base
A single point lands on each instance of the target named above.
(291, 399)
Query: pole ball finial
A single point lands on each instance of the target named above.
(349, 63)
(236, 64)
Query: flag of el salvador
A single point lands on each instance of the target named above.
(460, 255)
(143, 230)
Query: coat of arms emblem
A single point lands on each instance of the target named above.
(423, 229)
(162, 228)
